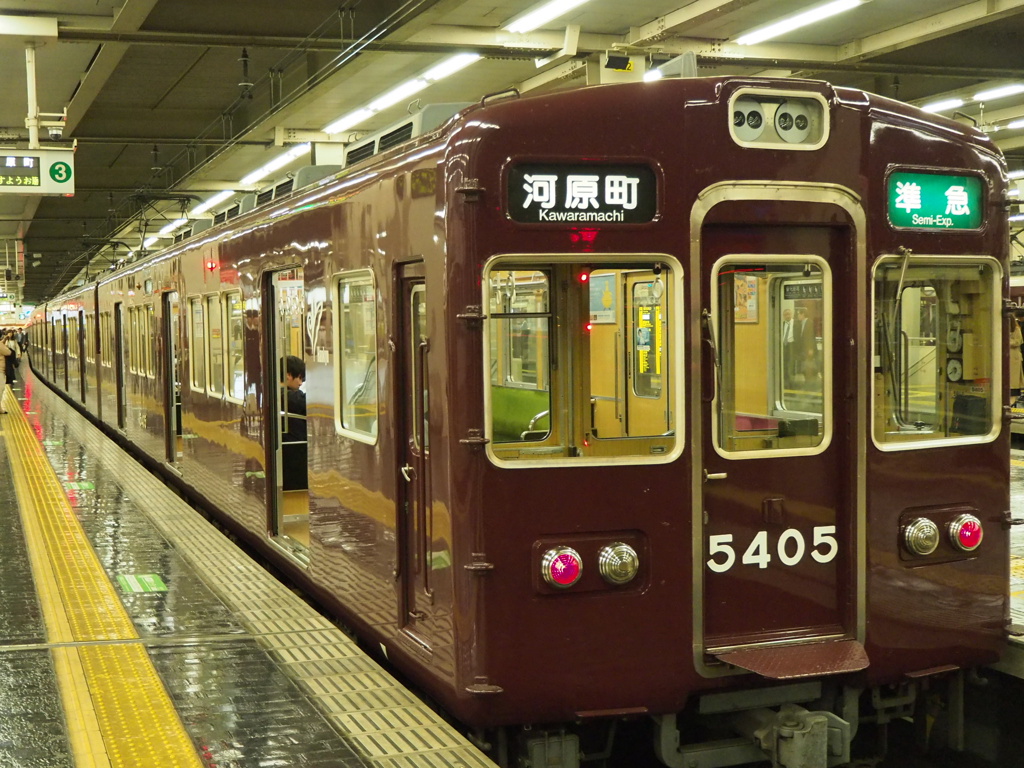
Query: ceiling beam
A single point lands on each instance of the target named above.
(940, 25)
(131, 16)
(695, 13)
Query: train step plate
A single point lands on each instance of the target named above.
(787, 662)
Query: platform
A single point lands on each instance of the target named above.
(133, 633)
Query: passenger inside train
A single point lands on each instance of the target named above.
(293, 428)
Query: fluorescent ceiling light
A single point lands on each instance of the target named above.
(450, 66)
(998, 93)
(1013, 192)
(541, 15)
(943, 106)
(1015, 175)
(172, 226)
(409, 88)
(780, 28)
(1018, 217)
(217, 199)
(1015, 125)
(149, 241)
(652, 74)
(278, 162)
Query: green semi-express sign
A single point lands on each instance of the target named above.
(935, 201)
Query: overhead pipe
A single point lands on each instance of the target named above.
(32, 121)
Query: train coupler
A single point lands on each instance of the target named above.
(794, 737)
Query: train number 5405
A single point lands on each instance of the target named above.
(790, 548)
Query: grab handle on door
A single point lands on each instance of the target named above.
(407, 472)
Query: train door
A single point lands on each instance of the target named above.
(172, 378)
(80, 344)
(781, 508)
(415, 516)
(119, 350)
(288, 495)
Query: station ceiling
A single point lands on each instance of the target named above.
(168, 102)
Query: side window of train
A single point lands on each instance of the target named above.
(356, 345)
(197, 344)
(773, 367)
(234, 311)
(215, 346)
(582, 360)
(106, 332)
(937, 350)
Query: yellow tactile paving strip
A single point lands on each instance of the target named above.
(119, 714)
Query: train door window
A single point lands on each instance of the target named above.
(90, 339)
(582, 363)
(772, 336)
(357, 353)
(73, 337)
(106, 332)
(132, 340)
(149, 324)
(215, 341)
(235, 312)
(197, 344)
(936, 350)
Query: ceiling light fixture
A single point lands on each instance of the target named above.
(542, 14)
(999, 93)
(217, 199)
(780, 28)
(169, 228)
(1014, 125)
(1015, 175)
(943, 106)
(405, 90)
(278, 162)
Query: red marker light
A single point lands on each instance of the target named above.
(965, 532)
(561, 567)
(588, 327)
(211, 265)
(584, 277)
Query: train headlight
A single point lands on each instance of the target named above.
(965, 532)
(561, 567)
(618, 563)
(921, 536)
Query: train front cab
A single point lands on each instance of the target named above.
(833, 550)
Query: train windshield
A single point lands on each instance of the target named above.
(772, 342)
(580, 360)
(936, 349)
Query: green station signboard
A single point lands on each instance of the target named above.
(935, 201)
(37, 172)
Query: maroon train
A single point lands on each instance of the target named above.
(681, 400)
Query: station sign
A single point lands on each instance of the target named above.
(935, 201)
(559, 193)
(37, 172)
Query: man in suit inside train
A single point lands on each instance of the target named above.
(790, 361)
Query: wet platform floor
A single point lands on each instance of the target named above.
(129, 638)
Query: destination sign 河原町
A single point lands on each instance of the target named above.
(19, 171)
(37, 172)
(582, 194)
(935, 201)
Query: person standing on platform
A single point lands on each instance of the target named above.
(11, 365)
(5, 356)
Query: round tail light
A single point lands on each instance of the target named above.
(618, 563)
(965, 532)
(561, 567)
(921, 536)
